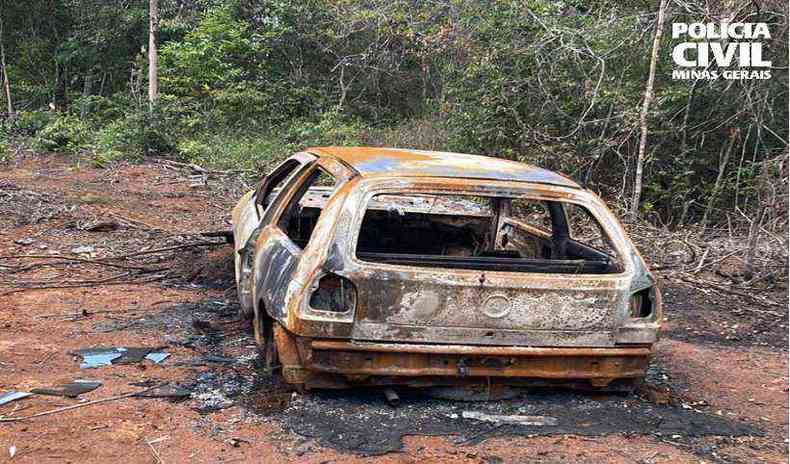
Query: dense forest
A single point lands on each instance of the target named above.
(243, 83)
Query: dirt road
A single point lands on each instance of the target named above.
(123, 264)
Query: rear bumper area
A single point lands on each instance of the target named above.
(338, 364)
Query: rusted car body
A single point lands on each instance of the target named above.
(372, 266)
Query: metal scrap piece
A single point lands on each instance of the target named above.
(167, 391)
(97, 357)
(157, 357)
(69, 390)
(12, 396)
(510, 419)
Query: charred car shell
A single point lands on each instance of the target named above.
(383, 266)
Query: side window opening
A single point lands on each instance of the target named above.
(528, 228)
(534, 213)
(476, 232)
(426, 224)
(302, 212)
(585, 230)
(273, 183)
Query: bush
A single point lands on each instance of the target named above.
(5, 152)
(66, 133)
(119, 139)
(260, 151)
(330, 128)
(99, 109)
(28, 123)
(426, 133)
(229, 151)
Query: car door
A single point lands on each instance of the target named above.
(286, 234)
(250, 218)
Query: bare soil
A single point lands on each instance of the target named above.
(717, 391)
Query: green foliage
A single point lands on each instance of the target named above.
(66, 133)
(261, 151)
(28, 123)
(219, 51)
(5, 146)
(124, 138)
(244, 84)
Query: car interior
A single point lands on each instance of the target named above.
(509, 234)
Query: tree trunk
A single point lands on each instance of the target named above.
(717, 186)
(86, 92)
(640, 160)
(153, 61)
(6, 83)
(61, 102)
(754, 234)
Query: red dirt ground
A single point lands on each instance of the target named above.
(50, 200)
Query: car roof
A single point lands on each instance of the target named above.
(373, 161)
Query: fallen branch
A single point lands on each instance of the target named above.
(96, 284)
(159, 250)
(69, 259)
(134, 222)
(201, 169)
(33, 283)
(80, 405)
(721, 288)
(702, 260)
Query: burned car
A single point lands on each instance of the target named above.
(375, 266)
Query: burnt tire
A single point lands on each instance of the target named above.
(263, 328)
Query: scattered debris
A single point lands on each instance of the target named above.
(472, 393)
(158, 440)
(236, 442)
(655, 394)
(213, 391)
(206, 360)
(392, 397)
(97, 357)
(218, 359)
(69, 390)
(167, 391)
(363, 423)
(510, 419)
(157, 357)
(75, 406)
(204, 327)
(151, 443)
(83, 249)
(12, 396)
(102, 226)
(305, 447)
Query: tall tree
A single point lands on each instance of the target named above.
(153, 29)
(6, 83)
(640, 159)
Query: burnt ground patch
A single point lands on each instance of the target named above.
(709, 318)
(362, 422)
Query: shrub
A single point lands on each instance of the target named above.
(330, 128)
(27, 123)
(119, 139)
(426, 133)
(65, 133)
(5, 152)
(99, 109)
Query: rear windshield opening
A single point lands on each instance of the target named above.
(487, 233)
